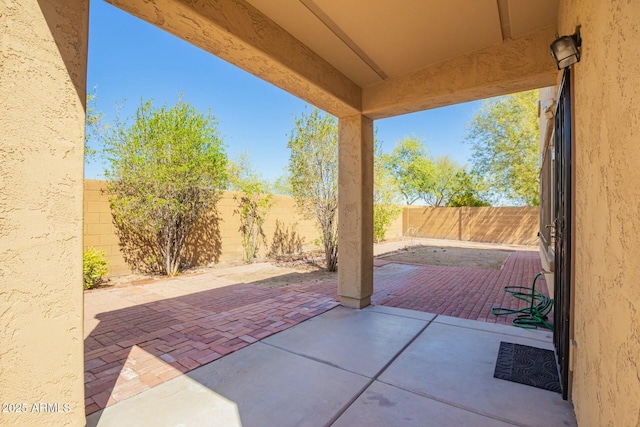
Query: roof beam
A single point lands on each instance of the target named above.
(240, 34)
(513, 66)
(344, 37)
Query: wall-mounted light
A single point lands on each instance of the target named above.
(566, 49)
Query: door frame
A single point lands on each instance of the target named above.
(563, 222)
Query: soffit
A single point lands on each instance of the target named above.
(294, 17)
(527, 16)
(374, 40)
(404, 36)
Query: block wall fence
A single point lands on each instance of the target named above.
(508, 225)
(491, 224)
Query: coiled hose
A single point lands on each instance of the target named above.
(535, 315)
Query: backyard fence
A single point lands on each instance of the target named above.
(285, 231)
(288, 232)
(510, 225)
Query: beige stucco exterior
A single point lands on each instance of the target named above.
(42, 92)
(606, 294)
(355, 212)
(493, 71)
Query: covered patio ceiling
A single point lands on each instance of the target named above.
(380, 58)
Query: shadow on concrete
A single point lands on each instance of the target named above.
(138, 347)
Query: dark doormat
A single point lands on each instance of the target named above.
(527, 365)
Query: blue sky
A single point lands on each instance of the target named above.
(130, 59)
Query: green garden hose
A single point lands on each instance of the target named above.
(535, 315)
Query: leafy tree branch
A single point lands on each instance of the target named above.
(166, 167)
(313, 169)
(504, 136)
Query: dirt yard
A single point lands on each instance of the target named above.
(310, 267)
(276, 276)
(303, 268)
(450, 256)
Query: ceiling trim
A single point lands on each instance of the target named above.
(505, 21)
(335, 29)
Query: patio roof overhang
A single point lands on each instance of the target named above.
(359, 60)
(362, 61)
(378, 58)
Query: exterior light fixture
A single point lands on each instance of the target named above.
(566, 49)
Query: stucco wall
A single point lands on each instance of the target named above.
(606, 295)
(283, 221)
(510, 225)
(42, 91)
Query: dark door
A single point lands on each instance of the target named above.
(562, 216)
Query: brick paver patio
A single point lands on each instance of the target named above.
(468, 293)
(139, 336)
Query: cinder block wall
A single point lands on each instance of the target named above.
(395, 231)
(510, 225)
(436, 223)
(283, 216)
(284, 224)
(283, 221)
(99, 231)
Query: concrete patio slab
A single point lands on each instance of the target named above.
(544, 335)
(382, 405)
(131, 346)
(257, 386)
(179, 402)
(402, 312)
(443, 377)
(455, 365)
(359, 341)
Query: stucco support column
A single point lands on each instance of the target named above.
(42, 93)
(355, 211)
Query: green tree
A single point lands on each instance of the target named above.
(469, 190)
(504, 137)
(313, 167)
(93, 127)
(419, 177)
(440, 186)
(411, 168)
(385, 195)
(166, 167)
(282, 185)
(253, 206)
